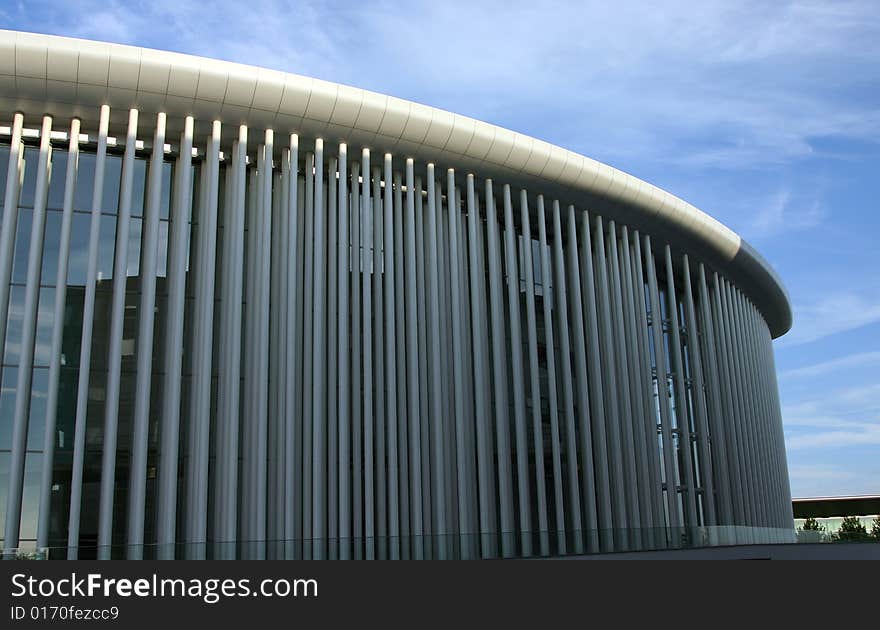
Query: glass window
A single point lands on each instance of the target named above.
(22, 246)
(4, 484)
(112, 174)
(45, 317)
(28, 189)
(139, 187)
(30, 503)
(4, 164)
(85, 182)
(165, 201)
(65, 421)
(162, 261)
(7, 408)
(107, 245)
(78, 262)
(134, 247)
(13, 326)
(37, 416)
(51, 245)
(57, 180)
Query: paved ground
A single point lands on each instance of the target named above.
(802, 551)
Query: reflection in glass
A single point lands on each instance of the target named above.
(85, 182)
(77, 263)
(45, 318)
(37, 422)
(56, 182)
(22, 246)
(9, 377)
(134, 247)
(4, 484)
(4, 164)
(107, 249)
(30, 504)
(29, 185)
(51, 244)
(13, 326)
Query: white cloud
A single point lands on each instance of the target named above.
(780, 213)
(830, 314)
(858, 359)
(847, 417)
(814, 480)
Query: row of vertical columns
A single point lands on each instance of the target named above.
(398, 389)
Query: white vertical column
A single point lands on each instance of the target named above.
(205, 251)
(291, 357)
(14, 178)
(137, 480)
(114, 354)
(28, 339)
(459, 365)
(319, 362)
(401, 365)
(229, 368)
(434, 370)
(356, 368)
(478, 323)
(277, 376)
(517, 375)
(85, 360)
(421, 323)
(367, 356)
(332, 362)
(344, 397)
(499, 374)
(57, 336)
(380, 544)
(181, 215)
(597, 396)
(412, 360)
(264, 275)
(392, 359)
(534, 376)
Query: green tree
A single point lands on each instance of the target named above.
(812, 525)
(852, 529)
(875, 527)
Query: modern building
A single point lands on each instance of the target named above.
(254, 314)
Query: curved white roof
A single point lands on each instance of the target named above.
(70, 77)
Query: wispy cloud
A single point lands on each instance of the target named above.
(813, 480)
(779, 213)
(858, 359)
(846, 417)
(831, 314)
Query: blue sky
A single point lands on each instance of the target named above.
(764, 114)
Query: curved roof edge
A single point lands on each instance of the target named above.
(73, 75)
